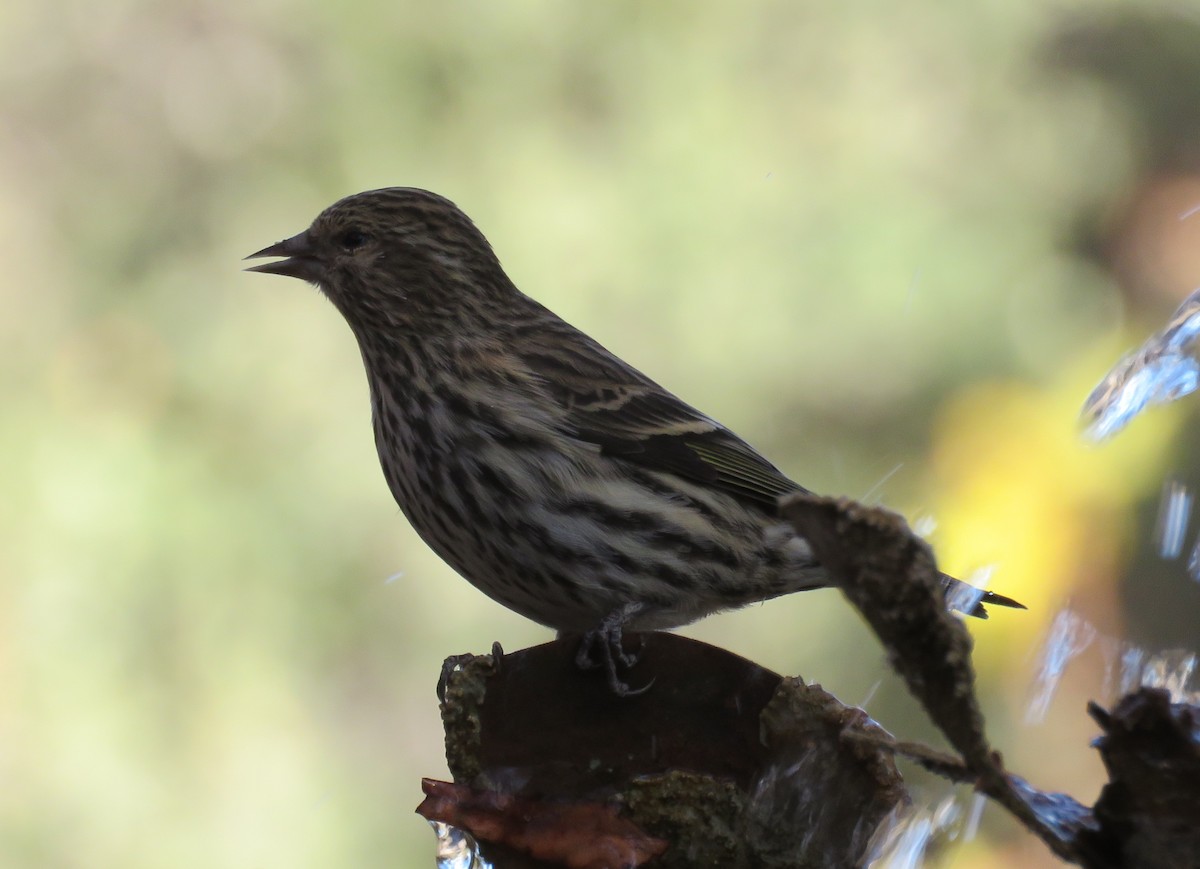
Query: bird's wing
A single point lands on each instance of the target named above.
(611, 404)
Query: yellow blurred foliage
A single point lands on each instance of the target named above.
(1018, 487)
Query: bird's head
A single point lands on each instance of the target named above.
(394, 257)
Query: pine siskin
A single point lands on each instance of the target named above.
(554, 477)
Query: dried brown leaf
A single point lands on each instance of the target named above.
(576, 835)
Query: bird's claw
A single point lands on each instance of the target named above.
(604, 648)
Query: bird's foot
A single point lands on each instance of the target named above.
(604, 648)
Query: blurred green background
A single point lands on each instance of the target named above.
(892, 245)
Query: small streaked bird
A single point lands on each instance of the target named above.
(556, 478)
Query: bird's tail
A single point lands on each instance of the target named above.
(969, 600)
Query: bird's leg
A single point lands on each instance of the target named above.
(603, 647)
(608, 638)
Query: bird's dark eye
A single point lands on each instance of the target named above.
(352, 239)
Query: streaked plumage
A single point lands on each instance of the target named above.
(556, 478)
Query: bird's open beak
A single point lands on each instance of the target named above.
(299, 260)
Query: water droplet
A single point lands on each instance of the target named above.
(1172, 670)
(1174, 510)
(866, 498)
(1163, 369)
(902, 841)
(1193, 565)
(1068, 637)
(924, 525)
(974, 813)
(1130, 667)
(1131, 658)
(457, 849)
(870, 694)
(1127, 667)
